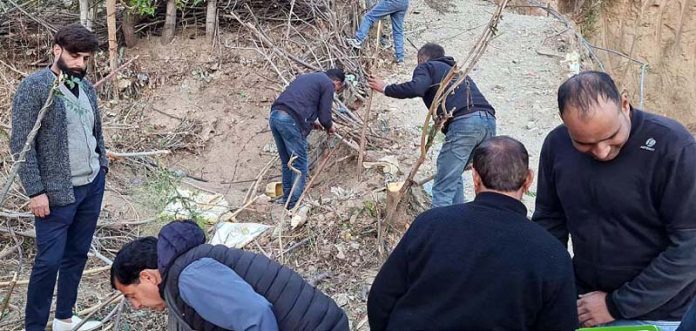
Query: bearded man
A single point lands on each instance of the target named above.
(63, 175)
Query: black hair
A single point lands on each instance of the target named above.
(502, 163)
(336, 74)
(584, 90)
(133, 258)
(76, 38)
(431, 51)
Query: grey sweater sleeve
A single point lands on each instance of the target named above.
(27, 103)
(675, 267)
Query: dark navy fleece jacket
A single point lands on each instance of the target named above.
(308, 98)
(632, 220)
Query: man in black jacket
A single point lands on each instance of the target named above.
(622, 183)
(481, 265)
(207, 287)
(305, 103)
(473, 119)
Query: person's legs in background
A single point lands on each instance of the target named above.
(463, 135)
(381, 9)
(397, 19)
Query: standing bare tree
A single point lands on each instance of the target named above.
(86, 15)
(169, 22)
(211, 20)
(113, 43)
(130, 19)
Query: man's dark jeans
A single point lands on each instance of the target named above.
(63, 239)
(290, 141)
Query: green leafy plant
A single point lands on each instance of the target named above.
(370, 207)
(142, 7)
(184, 3)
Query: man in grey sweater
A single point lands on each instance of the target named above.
(63, 174)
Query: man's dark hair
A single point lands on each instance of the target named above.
(431, 51)
(502, 163)
(336, 74)
(584, 90)
(76, 38)
(133, 258)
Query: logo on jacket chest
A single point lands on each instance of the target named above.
(649, 145)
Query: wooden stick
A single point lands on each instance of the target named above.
(7, 251)
(113, 72)
(424, 180)
(136, 154)
(28, 233)
(113, 44)
(298, 174)
(12, 214)
(236, 212)
(327, 156)
(347, 142)
(23, 74)
(96, 308)
(86, 272)
(117, 322)
(119, 225)
(366, 120)
(42, 22)
(252, 189)
(292, 6)
(6, 302)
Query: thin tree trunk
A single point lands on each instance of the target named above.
(211, 20)
(86, 15)
(169, 22)
(113, 43)
(129, 21)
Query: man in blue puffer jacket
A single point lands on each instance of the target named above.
(206, 287)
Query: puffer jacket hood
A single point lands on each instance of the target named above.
(175, 239)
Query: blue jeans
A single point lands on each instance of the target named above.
(662, 325)
(463, 135)
(394, 8)
(63, 239)
(290, 141)
(689, 319)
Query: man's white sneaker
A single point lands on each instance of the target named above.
(354, 42)
(59, 325)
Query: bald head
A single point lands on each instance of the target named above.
(502, 164)
(584, 91)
